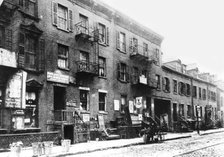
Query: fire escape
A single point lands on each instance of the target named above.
(87, 41)
(144, 56)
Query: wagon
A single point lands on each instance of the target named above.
(151, 131)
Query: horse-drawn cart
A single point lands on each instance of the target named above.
(151, 131)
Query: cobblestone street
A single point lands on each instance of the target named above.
(207, 145)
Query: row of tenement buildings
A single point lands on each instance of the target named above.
(62, 56)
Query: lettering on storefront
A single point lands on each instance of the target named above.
(57, 77)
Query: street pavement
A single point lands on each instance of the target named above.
(92, 146)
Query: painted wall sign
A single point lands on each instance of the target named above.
(57, 77)
(7, 58)
(15, 91)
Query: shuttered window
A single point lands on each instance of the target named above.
(31, 52)
(62, 18)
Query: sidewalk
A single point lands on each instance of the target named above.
(91, 146)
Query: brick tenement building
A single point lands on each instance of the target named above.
(67, 57)
(64, 57)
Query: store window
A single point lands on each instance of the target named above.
(31, 110)
(102, 67)
(63, 56)
(84, 100)
(102, 101)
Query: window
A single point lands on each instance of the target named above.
(123, 74)
(102, 101)
(135, 74)
(102, 33)
(194, 94)
(123, 102)
(189, 110)
(182, 88)
(121, 41)
(175, 86)
(156, 55)
(158, 82)
(84, 56)
(188, 90)
(31, 109)
(62, 17)
(62, 56)
(29, 6)
(84, 28)
(84, 98)
(199, 89)
(102, 67)
(166, 84)
(181, 109)
(29, 56)
(31, 51)
(204, 94)
(28, 48)
(134, 45)
(145, 49)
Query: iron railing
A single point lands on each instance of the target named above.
(64, 116)
(87, 67)
(82, 29)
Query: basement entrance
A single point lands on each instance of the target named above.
(162, 112)
(69, 133)
(59, 98)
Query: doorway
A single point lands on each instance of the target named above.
(175, 112)
(69, 133)
(59, 98)
(163, 112)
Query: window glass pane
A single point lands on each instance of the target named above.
(62, 17)
(62, 56)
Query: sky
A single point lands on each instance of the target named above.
(193, 30)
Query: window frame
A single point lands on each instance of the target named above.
(102, 34)
(63, 57)
(82, 100)
(103, 102)
(158, 84)
(175, 86)
(102, 66)
(121, 44)
(55, 17)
